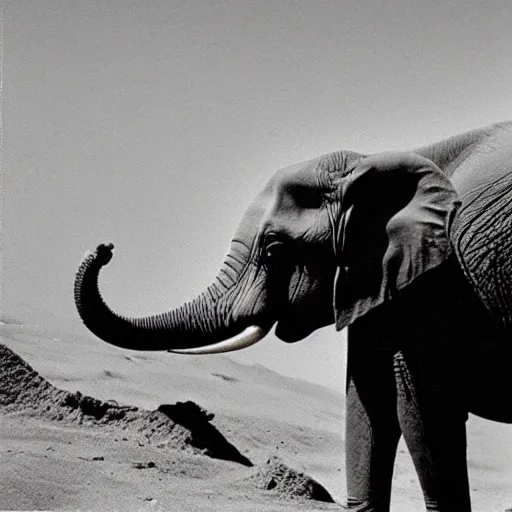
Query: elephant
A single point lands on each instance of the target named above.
(412, 252)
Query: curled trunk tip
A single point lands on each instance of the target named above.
(103, 254)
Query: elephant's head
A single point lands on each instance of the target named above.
(355, 228)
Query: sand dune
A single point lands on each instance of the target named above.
(274, 436)
(59, 442)
(180, 426)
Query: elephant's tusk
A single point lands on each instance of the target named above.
(246, 338)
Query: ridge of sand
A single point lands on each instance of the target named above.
(180, 426)
(183, 427)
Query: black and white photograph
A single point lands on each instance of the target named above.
(256, 256)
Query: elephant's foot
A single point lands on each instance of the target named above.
(358, 505)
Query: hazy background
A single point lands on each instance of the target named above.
(152, 124)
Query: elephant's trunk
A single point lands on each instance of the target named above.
(203, 325)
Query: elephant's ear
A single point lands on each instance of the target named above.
(396, 213)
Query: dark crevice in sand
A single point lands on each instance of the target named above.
(204, 435)
(224, 377)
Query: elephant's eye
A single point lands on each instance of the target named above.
(273, 252)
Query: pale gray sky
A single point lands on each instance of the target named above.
(152, 124)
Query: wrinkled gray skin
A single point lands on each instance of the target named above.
(416, 249)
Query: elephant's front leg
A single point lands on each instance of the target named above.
(432, 415)
(372, 428)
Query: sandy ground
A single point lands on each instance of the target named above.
(57, 457)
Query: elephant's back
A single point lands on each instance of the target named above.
(482, 230)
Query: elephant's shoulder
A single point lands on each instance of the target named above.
(481, 233)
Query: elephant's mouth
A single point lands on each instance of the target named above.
(291, 331)
(309, 308)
